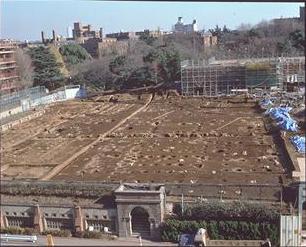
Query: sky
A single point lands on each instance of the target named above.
(24, 20)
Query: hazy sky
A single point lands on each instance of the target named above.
(22, 19)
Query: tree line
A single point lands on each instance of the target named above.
(151, 60)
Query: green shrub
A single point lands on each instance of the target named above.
(19, 230)
(97, 235)
(228, 230)
(73, 54)
(58, 233)
(228, 211)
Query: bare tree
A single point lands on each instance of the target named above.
(25, 69)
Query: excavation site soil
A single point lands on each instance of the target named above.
(151, 139)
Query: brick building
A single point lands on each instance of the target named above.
(8, 67)
(122, 35)
(133, 209)
(209, 40)
(180, 27)
(82, 33)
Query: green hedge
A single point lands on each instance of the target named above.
(73, 53)
(19, 230)
(58, 233)
(228, 230)
(97, 235)
(228, 211)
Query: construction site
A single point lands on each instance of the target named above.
(217, 78)
(86, 160)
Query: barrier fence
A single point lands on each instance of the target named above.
(25, 100)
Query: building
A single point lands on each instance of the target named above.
(122, 35)
(82, 33)
(69, 33)
(8, 67)
(200, 78)
(180, 27)
(133, 209)
(98, 47)
(302, 13)
(112, 46)
(209, 39)
(154, 33)
(54, 40)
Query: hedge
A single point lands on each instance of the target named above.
(18, 230)
(228, 230)
(58, 233)
(98, 235)
(228, 211)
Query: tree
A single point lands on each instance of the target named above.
(46, 69)
(298, 39)
(147, 38)
(74, 54)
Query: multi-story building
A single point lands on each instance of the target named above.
(8, 67)
(180, 27)
(153, 33)
(209, 39)
(82, 33)
(122, 35)
(302, 13)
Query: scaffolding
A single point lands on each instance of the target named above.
(199, 78)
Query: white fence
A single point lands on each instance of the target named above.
(290, 230)
(27, 103)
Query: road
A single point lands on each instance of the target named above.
(42, 241)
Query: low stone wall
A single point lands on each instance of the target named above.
(21, 120)
(11, 112)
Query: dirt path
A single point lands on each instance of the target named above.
(221, 127)
(63, 165)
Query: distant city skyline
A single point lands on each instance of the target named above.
(24, 20)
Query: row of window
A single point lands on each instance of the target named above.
(19, 222)
(96, 217)
(53, 215)
(21, 214)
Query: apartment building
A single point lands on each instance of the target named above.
(8, 67)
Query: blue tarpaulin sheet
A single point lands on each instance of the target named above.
(299, 143)
(265, 102)
(288, 124)
(282, 117)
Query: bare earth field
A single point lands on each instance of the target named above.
(175, 140)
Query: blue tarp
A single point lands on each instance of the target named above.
(299, 143)
(288, 124)
(282, 117)
(186, 240)
(265, 102)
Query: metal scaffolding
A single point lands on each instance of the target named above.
(226, 77)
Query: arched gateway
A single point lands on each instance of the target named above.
(140, 222)
(140, 209)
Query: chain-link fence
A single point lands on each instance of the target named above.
(13, 100)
